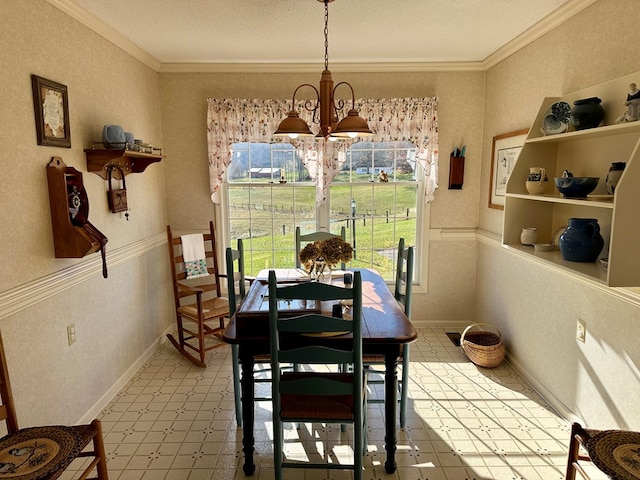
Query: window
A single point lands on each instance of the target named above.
(270, 192)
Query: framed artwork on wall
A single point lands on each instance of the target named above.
(506, 148)
(51, 106)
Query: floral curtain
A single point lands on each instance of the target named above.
(399, 119)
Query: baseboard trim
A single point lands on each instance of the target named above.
(101, 404)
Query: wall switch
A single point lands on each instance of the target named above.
(581, 330)
(71, 334)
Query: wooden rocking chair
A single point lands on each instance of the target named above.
(200, 306)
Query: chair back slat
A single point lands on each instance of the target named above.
(404, 277)
(236, 282)
(316, 386)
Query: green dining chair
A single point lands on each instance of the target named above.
(317, 395)
(402, 293)
(237, 283)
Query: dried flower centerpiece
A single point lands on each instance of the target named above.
(318, 255)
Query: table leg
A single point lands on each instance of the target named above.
(390, 409)
(247, 382)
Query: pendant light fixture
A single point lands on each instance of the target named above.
(325, 106)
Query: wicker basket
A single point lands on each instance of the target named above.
(484, 348)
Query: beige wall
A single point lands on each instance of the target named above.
(451, 282)
(116, 318)
(537, 308)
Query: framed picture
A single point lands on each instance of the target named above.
(506, 148)
(51, 106)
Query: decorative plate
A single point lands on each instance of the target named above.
(556, 119)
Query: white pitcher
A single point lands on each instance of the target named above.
(537, 180)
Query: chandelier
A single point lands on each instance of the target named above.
(325, 106)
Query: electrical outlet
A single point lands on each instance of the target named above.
(581, 330)
(71, 334)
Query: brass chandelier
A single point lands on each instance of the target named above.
(325, 104)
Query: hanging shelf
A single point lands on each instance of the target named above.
(130, 161)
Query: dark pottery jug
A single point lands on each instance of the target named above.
(587, 113)
(613, 176)
(581, 241)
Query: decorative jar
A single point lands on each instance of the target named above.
(613, 176)
(587, 113)
(581, 241)
(529, 236)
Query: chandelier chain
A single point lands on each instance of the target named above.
(326, 34)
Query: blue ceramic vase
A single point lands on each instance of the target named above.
(587, 113)
(581, 241)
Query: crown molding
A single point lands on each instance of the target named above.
(381, 67)
(568, 10)
(71, 8)
(561, 15)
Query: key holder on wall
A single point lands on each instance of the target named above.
(117, 197)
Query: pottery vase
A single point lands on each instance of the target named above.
(537, 180)
(581, 241)
(529, 236)
(613, 176)
(587, 113)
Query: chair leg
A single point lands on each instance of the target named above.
(98, 447)
(574, 449)
(235, 359)
(404, 386)
(278, 445)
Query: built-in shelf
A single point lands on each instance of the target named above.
(130, 161)
(589, 153)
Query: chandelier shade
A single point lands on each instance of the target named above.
(325, 108)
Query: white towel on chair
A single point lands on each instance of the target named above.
(195, 261)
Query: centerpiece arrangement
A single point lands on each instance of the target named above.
(319, 255)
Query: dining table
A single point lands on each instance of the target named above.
(385, 330)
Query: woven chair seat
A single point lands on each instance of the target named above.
(42, 452)
(211, 309)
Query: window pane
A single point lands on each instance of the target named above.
(375, 211)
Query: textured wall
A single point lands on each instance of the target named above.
(460, 105)
(536, 308)
(117, 318)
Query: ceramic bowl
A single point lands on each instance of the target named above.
(576, 186)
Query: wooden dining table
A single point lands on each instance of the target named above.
(385, 329)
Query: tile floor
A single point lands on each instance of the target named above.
(174, 421)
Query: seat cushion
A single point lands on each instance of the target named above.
(42, 452)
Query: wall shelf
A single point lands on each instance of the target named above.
(587, 152)
(130, 161)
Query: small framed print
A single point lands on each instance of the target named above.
(51, 105)
(506, 148)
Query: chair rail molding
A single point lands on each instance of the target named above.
(628, 294)
(24, 296)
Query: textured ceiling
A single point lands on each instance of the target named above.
(291, 31)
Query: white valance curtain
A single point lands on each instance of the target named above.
(231, 121)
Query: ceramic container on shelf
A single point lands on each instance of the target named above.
(537, 180)
(587, 113)
(613, 176)
(529, 236)
(581, 241)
